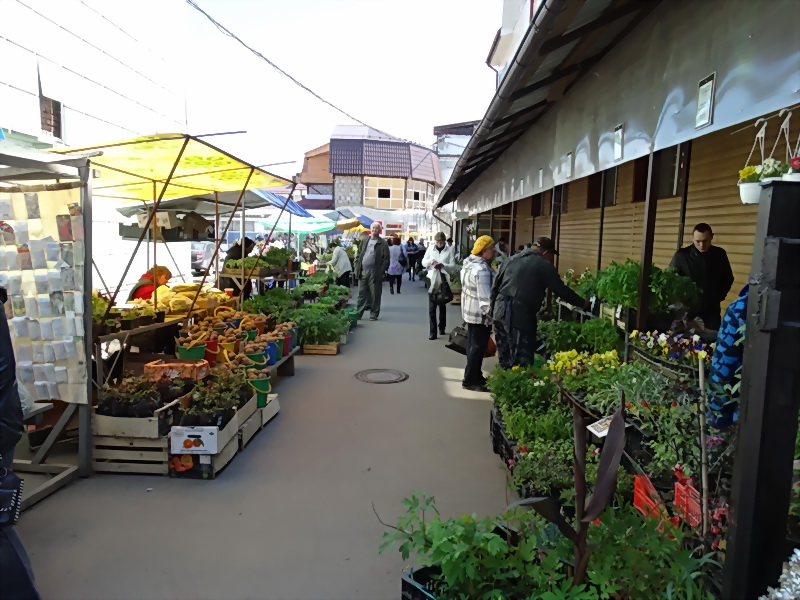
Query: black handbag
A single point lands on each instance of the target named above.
(10, 497)
(457, 341)
(403, 260)
(443, 294)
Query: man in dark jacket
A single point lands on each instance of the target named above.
(517, 295)
(709, 268)
(16, 575)
(372, 262)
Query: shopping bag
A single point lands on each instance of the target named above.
(442, 294)
(491, 348)
(457, 341)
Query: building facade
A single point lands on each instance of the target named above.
(72, 73)
(317, 177)
(608, 98)
(373, 170)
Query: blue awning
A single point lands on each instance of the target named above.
(279, 201)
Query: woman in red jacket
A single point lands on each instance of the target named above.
(155, 277)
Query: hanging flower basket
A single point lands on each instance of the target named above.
(749, 192)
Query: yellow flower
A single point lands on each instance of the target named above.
(634, 334)
(747, 172)
(515, 368)
(702, 354)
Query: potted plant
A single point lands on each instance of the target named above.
(772, 169)
(794, 170)
(749, 190)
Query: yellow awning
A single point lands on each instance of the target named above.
(135, 170)
(356, 229)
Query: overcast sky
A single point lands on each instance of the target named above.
(402, 66)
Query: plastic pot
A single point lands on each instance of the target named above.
(259, 359)
(270, 352)
(262, 388)
(195, 352)
(279, 349)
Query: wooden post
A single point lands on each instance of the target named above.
(650, 206)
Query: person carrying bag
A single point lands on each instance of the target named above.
(439, 260)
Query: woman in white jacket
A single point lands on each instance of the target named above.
(440, 261)
(340, 263)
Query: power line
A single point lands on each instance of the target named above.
(224, 30)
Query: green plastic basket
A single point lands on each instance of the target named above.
(262, 388)
(195, 352)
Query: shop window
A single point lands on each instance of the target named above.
(384, 193)
(594, 190)
(536, 205)
(609, 190)
(50, 112)
(669, 172)
(640, 178)
(564, 198)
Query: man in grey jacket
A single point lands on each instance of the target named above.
(371, 265)
(16, 575)
(519, 289)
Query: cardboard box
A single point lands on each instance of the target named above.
(205, 440)
(167, 219)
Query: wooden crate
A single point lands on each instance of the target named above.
(326, 349)
(456, 298)
(270, 411)
(130, 455)
(246, 411)
(153, 427)
(250, 427)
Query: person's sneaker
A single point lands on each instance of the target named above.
(433, 337)
(373, 318)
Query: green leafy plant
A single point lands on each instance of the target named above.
(546, 467)
(529, 388)
(99, 306)
(319, 323)
(618, 284)
(598, 335)
(551, 425)
(560, 336)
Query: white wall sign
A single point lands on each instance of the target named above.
(705, 101)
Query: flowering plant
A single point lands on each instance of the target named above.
(575, 368)
(677, 347)
(772, 168)
(794, 164)
(749, 175)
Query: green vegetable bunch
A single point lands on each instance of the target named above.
(99, 306)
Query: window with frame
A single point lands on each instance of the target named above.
(384, 192)
(609, 190)
(416, 196)
(50, 113)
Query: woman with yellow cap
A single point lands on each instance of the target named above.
(477, 277)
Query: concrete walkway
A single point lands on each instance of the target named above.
(291, 517)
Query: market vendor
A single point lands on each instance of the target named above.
(144, 288)
(238, 252)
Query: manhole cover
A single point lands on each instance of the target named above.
(381, 376)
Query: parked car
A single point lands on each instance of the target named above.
(201, 256)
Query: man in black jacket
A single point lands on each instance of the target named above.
(517, 295)
(709, 268)
(16, 575)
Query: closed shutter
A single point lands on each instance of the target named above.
(665, 241)
(578, 241)
(523, 223)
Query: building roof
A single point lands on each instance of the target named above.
(566, 38)
(317, 151)
(465, 128)
(381, 158)
(361, 132)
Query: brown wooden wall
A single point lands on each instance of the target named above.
(713, 197)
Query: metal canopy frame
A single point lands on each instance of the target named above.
(566, 38)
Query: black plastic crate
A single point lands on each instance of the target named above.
(418, 584)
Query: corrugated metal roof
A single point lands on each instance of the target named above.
(564, 41)
(347, 157)
(386, 159)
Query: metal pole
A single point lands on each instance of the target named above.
(224, 233)
(216, 236)
(147, 226)
(174, 262)
(85, 410)
(155, 241)
(648, 235)
(261, 251)
(241, 241)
